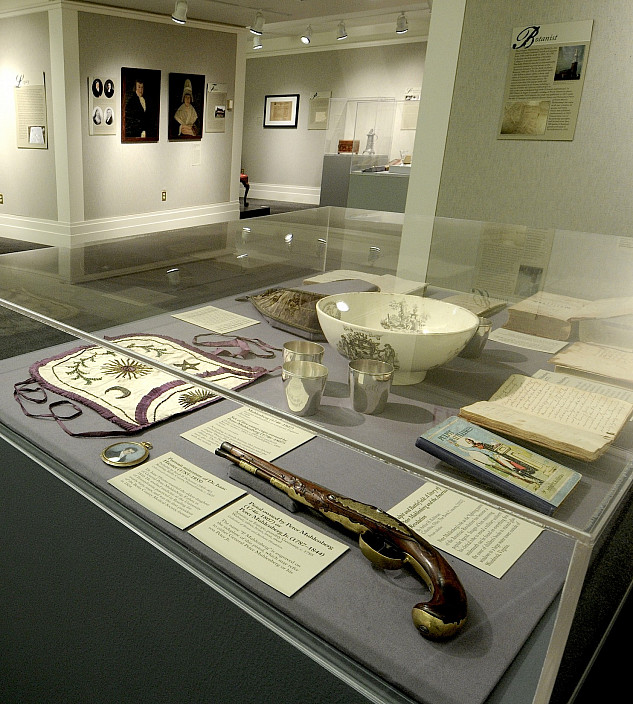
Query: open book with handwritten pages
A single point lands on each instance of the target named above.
(569, 420)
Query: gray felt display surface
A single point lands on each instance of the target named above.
(362, 611)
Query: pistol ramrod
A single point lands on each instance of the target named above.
(386, 541)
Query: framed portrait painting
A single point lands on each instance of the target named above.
(140, 104)
(186, 106)
(281, 110)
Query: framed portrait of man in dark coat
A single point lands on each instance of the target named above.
(140, 104)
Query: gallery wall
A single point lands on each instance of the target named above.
(27, 175)
(580, 185)
(122, 179)
(294, 157)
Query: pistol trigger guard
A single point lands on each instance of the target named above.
(379, 552)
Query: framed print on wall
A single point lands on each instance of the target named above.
(216, 107)
(102, 106)
(318, 110)
(281, 110)
(186, 106)
(140, 104)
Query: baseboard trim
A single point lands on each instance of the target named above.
(285, 193)
(59, 234)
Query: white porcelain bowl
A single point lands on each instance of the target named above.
(414, 334)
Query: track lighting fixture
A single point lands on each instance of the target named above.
(340, 32)
(257, 42)
(402, 25)
(258, 25)
(307, 35)
(180, 12)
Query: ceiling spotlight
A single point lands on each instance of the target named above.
(307, 35)
(180, 12)
(257, 42)
(402, 25)
(258, 25)
(340, 32)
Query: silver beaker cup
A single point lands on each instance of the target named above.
(303, 383)
(369, 385)
(303, 351)
(477, 342)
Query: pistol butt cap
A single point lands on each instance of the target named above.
(432, 627)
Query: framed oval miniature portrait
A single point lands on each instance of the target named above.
(126, 453)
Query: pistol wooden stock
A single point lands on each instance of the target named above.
(444, 613)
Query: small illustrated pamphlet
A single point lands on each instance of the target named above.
(522, 475)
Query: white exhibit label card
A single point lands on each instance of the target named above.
(482, 536)
(277, 549)
(176, 490)
(215, 319)
(528, 342)
(252, 430)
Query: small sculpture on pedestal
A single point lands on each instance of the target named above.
(371, 142)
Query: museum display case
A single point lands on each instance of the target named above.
(367, 159)
(362, 126)
(156, 349)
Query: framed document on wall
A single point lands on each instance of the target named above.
(281, 110)
(30, 116)
(318, 110)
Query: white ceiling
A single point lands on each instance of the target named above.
(300, 12)
(285, 18)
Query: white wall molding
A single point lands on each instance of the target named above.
(58, 234)
(285, 193)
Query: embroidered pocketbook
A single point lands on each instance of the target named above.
(294, 309)
(291, 310)
(131, 394)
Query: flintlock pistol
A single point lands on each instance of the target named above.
(384, 540)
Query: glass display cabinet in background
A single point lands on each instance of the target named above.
(359, 140)
(352, 618)
(361, 126)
